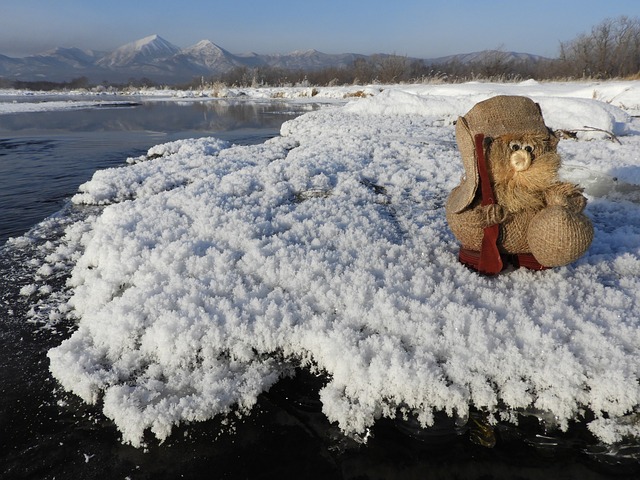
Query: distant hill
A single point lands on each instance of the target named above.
(485, 56)
(161, 61)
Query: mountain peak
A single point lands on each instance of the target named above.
(205, 46)
(205, 43)
(206, 54)
(152, 43)
(149, 38)
(146, 50)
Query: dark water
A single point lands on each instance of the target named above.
(45, 156)
(46, 433)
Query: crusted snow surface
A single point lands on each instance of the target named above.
(215, 268)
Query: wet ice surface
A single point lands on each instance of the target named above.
(599, 184)
(44, 156)
(253, 191)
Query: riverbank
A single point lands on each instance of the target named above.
(212, 272)
(622, 93)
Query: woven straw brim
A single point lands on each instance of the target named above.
(506, 114)
(464, 193)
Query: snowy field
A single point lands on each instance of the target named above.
(213, 270)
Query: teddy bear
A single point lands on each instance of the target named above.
(510, 205)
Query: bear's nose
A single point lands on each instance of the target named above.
(520, 160)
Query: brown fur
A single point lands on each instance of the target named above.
(519, 190)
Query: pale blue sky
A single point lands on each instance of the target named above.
(424, 29)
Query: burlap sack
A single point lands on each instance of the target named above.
(557, 236)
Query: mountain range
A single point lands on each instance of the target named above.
(155, 58)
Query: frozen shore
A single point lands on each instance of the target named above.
(215, 268)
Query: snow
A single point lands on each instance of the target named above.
(213, 269)
(53, 105)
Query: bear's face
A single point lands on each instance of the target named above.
(528, 161)
(521, 168)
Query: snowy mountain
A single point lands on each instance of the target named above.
(8, 65)
(156, 58)
(147, 51)
(67, 57)
(205, 56)
(59, 64)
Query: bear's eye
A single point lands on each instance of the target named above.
(515, 146)
(527, 148)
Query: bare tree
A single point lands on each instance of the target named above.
(612, 49)
(391, 68)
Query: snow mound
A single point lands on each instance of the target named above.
(170, 165)
(590, 118)
(394, 102)
(328, 247)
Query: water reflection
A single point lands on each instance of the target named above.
(45, 156)
(162, 116)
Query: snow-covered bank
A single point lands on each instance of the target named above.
(621, 94)
(56, 105)
(215, 268)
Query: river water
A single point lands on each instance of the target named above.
(44, 156)
(47, 433)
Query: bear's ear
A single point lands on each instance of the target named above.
(464, 194)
